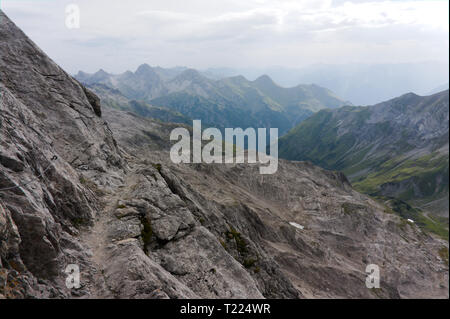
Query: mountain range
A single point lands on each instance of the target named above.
(363, 84)
(228, 102)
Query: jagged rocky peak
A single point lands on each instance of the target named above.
(101, 74)
(144, 69)
(409, 95)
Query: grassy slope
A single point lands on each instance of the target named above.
(320, 142)
(423, 171)
(423, 179)
(428, 223)
(317, 140)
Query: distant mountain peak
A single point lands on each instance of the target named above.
(101, 72)
(265, 79)
(189, 74)
(144, 69)
(409, 95)
(99, 76)
(239, 78)
(81, 74)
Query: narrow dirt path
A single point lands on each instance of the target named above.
(96, 240)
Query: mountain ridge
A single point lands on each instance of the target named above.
(366, 141)
(363, 84)
(265, 103)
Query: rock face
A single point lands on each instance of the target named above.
(52, 141)
(101, 193)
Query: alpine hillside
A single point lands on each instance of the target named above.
(396, 149)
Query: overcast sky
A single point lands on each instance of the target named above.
(117, 35)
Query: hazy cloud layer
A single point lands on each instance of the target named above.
(119, 35)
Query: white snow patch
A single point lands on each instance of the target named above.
(296, 225)
(410, 220)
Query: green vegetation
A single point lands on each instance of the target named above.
(241, 245)
(443, 253)
(378, 292)
(245, 257)
(350, 208)
(146, 233)
(158, 167)
(79, 222)
(380, 154)
(224, 244)
(424, 171)
(317, 140)
(406, 211)
(249, 262)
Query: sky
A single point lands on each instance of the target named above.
(118, 35)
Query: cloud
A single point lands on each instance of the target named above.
(204, 33)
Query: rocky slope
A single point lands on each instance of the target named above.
(228, 102)
(113, 98)
(52, 136)
(251, 217)
(398, 148)
(141, 227)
